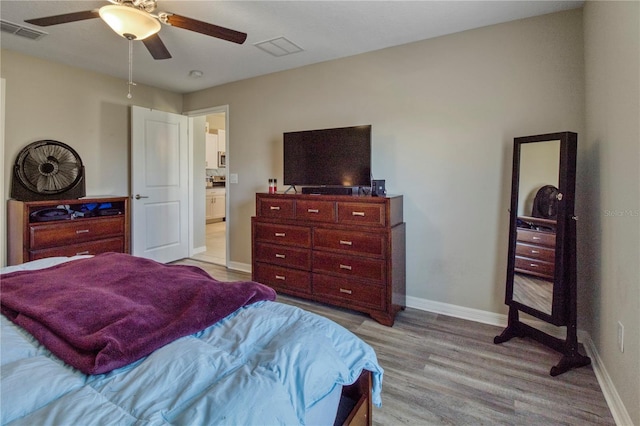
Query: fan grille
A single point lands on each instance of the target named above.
(49, 167)
(545, 204)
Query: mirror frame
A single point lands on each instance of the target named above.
(564, 304)
(564, 272)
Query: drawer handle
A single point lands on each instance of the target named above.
(346, 243)
(357, 214)
(82, 252)
(344, 290)
(536, 238)
(535, 252)
(82, 231)
(280, 277)
(274, 208)
(313, 211)
(280, 256)
(347, 267)
(280, 234)
(533, 265)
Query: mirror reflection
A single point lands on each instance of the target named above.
(536, 225)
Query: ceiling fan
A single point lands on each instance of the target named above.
(136, 20)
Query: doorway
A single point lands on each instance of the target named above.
(211, 224)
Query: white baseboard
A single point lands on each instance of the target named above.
(240, 267)
(618, 410)
(484, 317)
(198, 250)
(234, 266)
(457, 311)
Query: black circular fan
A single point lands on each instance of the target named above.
(545, 204)
(46, 170)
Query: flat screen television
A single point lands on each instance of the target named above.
(338, 157)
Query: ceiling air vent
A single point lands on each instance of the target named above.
(19, 30)
(279, 46)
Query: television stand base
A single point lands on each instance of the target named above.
(327, 190)
(295, 191)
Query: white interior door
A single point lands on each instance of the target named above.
(160, 186)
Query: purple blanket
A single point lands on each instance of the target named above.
(101, 313)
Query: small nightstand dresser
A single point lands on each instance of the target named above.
(96, 232)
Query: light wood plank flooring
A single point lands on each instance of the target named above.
(441, 370)
(215, 239)
(533, 291)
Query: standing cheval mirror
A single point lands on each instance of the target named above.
(541, 268)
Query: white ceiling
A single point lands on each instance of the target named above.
(325, 30)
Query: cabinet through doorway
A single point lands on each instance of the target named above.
(215, 225)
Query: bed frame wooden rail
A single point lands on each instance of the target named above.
(355, 404)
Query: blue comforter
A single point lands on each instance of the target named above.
(265, 364)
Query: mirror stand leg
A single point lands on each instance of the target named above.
(513, 328)
(572, 358)
(568, 362)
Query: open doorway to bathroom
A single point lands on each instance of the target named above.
(215, 221)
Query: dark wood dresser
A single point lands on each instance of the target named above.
(347, 251)
(29, 239)
(536, 247)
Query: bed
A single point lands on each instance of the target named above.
(262, 363)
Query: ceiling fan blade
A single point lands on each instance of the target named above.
(206, 28)
(64, 18)
(156, 47)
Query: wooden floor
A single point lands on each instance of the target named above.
(216, 244)
(533, 291)
(441, 370)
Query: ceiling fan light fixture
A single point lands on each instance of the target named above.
(129, 22)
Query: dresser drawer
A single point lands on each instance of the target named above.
(284, 255)
(534, 267)
(275, 207)
(348, 292)
(537, 252)
(361, 213)
(319, 211)
(349, 266)
(282, 278)
(366, 244)
(299, 236)
(537, 237)
(91, 247)
(57, 234)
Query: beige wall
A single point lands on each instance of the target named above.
(609, 176)
(216, 121)
(444, 113)
(87, 111)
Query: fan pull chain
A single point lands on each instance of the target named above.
(130, 83)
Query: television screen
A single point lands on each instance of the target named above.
(331, 157)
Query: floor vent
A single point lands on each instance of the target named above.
(20, 30)
(279, 46)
